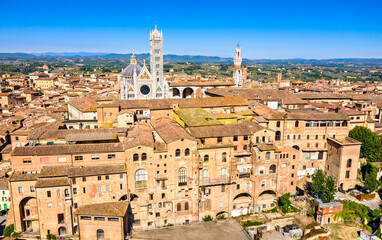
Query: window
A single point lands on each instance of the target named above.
(182, 177)
(263, 183)
(220, 140)
(278, 136)
(308, 124)
(187, 152)
(206, 158)
(144, 156)
(348, 163)
(178, 207)
(177, 153)
(267, 155)
(338, 123)
(111, 156)
(141, 179)
(347, 174)
(245, 137)
(107, 177)
(49, 205)
(135, 157)
(58, 192)
(48, 194)
(95, 157)
(278, 124)
(205, 176)
(121, 176)
(60, 218)
(222, 188)
(320, 155)
(78, 158)
(224, 157)
(186, 206)
(86, 217)
(330, 124)
(296, 124)
(99, 189)
(113, 219)
(307, 155)
(235, 138)
(316, 136)
(272, 168)
(27, 160)
(315, 124)
(121, 186)
(344, 124)
(99, 218)
(99, 178)
(74, 190)
(21, 190)
(107, 188)
(84, 179)
(223, 174)
(84, 190)
(31, 188)
(74, 180)
(208, 204)
(323, 124)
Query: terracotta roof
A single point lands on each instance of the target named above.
(43, 150)
(267, 147)
(309, 116)
(52, 182)
(253, 127)
(84, 104)
(139, 135)
(193, 117)
(23, 176)
(54, 171)
(4, 184)
(117, 209)
(96, 170)
(226, 130)
(170, 131)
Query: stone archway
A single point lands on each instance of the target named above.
(188, 93)
(266, 200)
(175, 92)
(29, 214)
(241, 204)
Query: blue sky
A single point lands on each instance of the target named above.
(273, 29)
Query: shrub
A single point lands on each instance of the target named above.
(207, 218)
(220, 217)
(51, 237)
(8, 230)
(250, 223)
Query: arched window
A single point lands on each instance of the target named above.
(278, 124)
(223, 174)
(330, 124)
(187, 152)
(308, 124)
(278, 136)
(177, 153)
(348, 164)
(141, 179)
(338, 123)
(100, 234)
(135, 157)
(296, 124)
(61, 231)
(267, 155)
(179, 207)
(144, 156)
(186, 206)
(205, 176)
(272, 169)
(315, 124)
(206, 158)
(323, 124)
(224, 157)
(182, 177)
(344, 123)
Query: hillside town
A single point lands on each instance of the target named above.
(127, 155)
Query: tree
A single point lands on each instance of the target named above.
(284, 202)
(371, 181)
(323, 187)
(371, 147)
(8, 230)
(318, 182)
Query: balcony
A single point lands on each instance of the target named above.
(214, 181)
(244, 175)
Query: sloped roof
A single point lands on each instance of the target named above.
(171, 131)
(226, 130)
(139, 135)
(96, 170)
(193, 117)
(117, 209)
(52, 182)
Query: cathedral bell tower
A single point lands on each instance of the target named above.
(156, 62)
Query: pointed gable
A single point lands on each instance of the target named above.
(144, 74)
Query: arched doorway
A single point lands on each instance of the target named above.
(296, 147)
(29, 214)
(100, 234)
(175, 92)
(241, 204)
(61, 231)
(123, 198)
(133, 197)
(222, 215)
(266, 200)
(188, 93)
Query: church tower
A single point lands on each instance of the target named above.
(156, 63)
(237, 58)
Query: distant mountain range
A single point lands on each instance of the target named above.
(184, 58)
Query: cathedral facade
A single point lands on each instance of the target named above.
(137, 82)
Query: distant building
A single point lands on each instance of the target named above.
(326, 211)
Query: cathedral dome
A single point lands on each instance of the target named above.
(131, 69)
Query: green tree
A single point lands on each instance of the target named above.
(371, 143)
(318, 182)
(284, 202)
(324, 187)
(8, 230)
(329, 190)
(371, 181)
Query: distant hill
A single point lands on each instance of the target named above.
(189, 58)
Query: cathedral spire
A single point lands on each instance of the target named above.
(133, 58)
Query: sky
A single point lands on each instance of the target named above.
(270, 29)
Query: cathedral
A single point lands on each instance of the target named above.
(138, 82)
